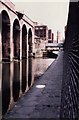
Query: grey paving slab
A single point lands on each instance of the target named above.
(42, 102)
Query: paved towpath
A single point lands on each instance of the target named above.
(42, 102)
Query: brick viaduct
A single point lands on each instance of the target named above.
(17, 33)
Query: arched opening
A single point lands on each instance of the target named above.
(24, 55)
(24, 41)
(5, 36)
(16, 39)
(29, 60)
(30, 40)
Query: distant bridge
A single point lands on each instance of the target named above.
(52, 46)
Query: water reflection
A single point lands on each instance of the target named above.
(18, 77)
(16, 81)
(5, 87)
(29, 71)
(0, 90)
(24, 75)
(41, 65)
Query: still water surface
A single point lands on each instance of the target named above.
(18, 77)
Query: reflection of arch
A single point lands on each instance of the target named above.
(30, 40)
(5, 36)
(29, 72)
(5, 87)
(16, 81)
(24, 75)
(24, 41)
(16, 39)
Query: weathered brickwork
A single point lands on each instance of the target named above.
(70, 85)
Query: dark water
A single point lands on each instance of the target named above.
(17, 77)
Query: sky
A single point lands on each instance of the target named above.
(53, 13)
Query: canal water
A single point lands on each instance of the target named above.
(18, 76)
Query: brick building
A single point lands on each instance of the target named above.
(49, 36)
(52, 37)
(42, 32)
(58, 37)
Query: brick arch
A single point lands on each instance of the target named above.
(16, 38)
(5, 36)
(24, 56)
(24, 41)
(5, 57)
(30, 40)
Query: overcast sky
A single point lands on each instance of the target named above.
(53, 13)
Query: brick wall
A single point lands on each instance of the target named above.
(70, 85)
